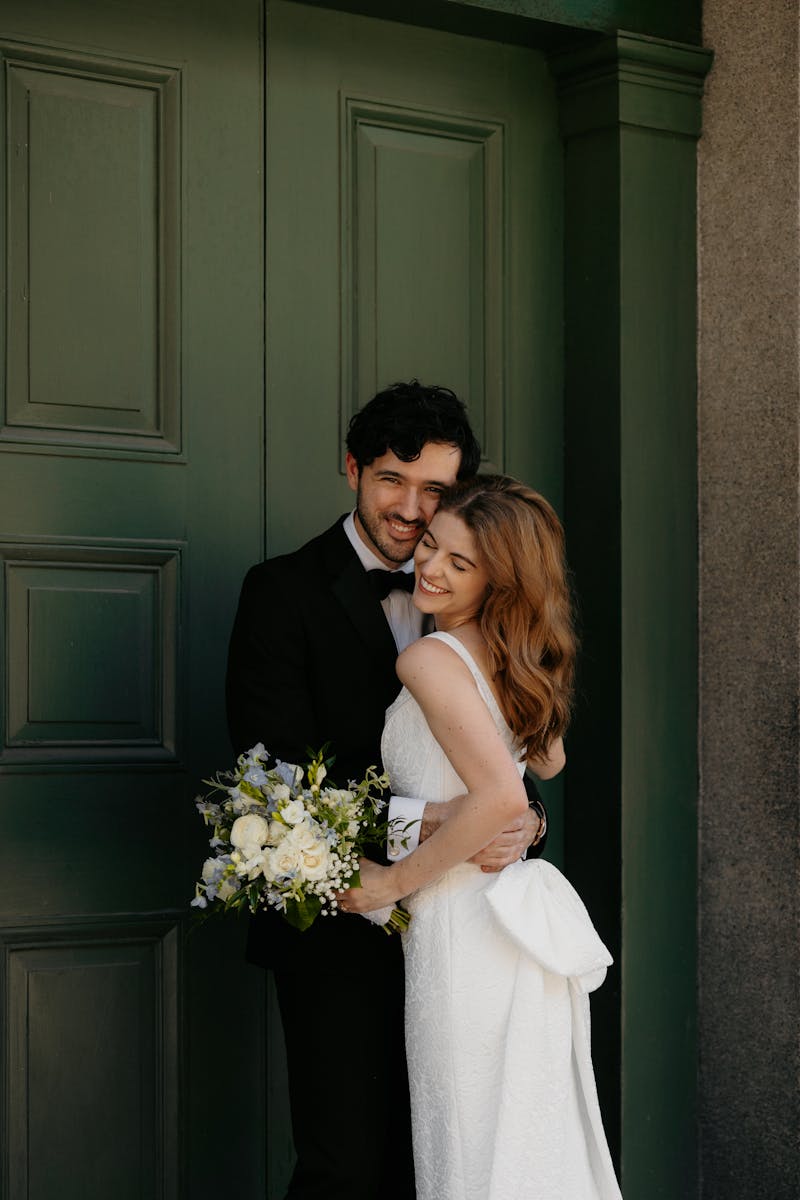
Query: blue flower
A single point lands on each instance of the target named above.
(289, 773)
(213, 870)
(209, 809)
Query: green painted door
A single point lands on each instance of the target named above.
(414, 228)
(130, 503)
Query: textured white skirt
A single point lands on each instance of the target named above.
(498, 971)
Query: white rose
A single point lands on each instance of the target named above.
(293, 812)
(277, 832)
(303, 836)
(248, 834)
(315, 861)
(280, 792)
(283, 860)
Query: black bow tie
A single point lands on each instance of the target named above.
(383, 582)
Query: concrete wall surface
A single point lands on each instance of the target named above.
(749, 950)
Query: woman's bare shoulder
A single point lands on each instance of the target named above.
(427, 658)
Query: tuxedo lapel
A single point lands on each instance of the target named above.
(350, 588)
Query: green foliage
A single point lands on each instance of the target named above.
(302, 913)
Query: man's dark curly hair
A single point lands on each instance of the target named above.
(405, 417)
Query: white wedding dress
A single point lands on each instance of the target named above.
(498, 967)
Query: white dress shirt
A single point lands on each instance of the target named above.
(406, 624)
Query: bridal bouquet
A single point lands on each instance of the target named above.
(283, 843)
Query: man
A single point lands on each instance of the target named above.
(311, 661)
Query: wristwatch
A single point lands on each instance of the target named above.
(541, 813)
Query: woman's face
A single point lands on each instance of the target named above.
(451, 579)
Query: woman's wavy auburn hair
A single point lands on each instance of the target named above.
(526, 618)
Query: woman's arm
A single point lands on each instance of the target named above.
(463, 726)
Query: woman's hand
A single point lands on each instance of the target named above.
(376, 889)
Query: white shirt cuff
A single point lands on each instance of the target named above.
(405, 819)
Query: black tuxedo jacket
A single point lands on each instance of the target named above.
(312, 660)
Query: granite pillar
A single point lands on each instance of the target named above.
(749, 949)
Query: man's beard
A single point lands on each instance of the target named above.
(375, 532)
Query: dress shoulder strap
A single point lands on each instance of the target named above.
(464, 654)
(481, 681)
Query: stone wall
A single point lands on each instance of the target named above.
(749, 605)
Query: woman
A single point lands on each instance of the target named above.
(498, 968)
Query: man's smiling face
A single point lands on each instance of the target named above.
(395, 500)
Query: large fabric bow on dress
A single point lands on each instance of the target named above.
(545, 917)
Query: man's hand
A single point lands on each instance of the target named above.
(510, 845)
(434, 814)
(507, 847)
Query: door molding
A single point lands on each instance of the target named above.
(630, 116)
